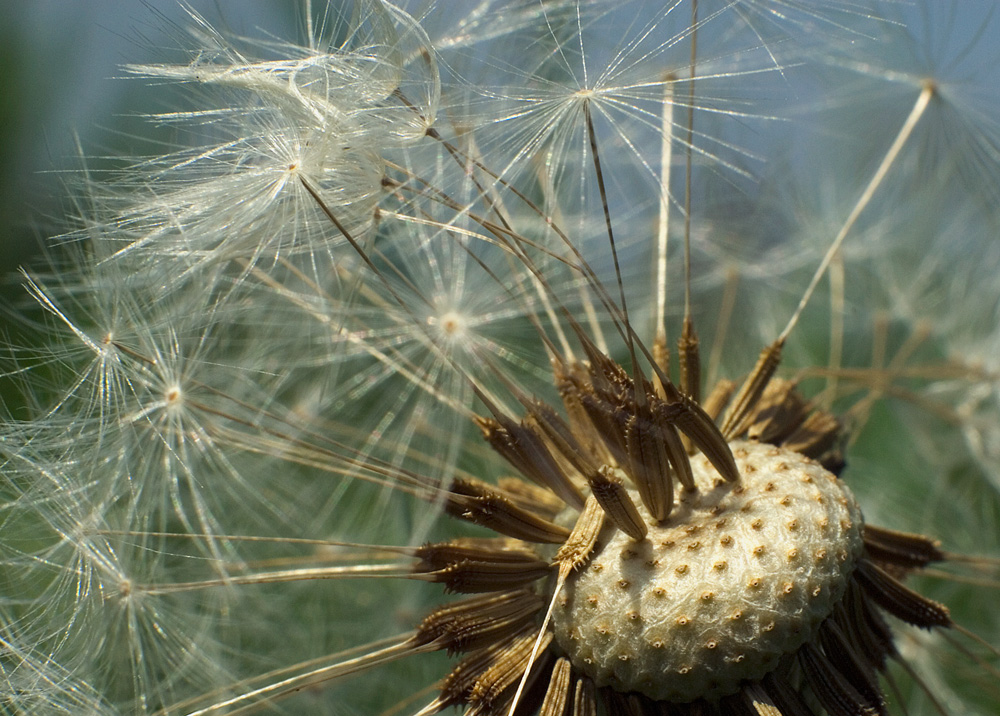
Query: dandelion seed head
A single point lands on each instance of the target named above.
(369, 371)
(697, 563)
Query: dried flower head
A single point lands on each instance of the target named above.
(403, 323)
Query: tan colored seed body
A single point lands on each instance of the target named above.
(737, 577)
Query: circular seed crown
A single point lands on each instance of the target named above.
(739, 575)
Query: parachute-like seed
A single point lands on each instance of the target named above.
(405, 227)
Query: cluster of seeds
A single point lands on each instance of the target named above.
(752, 585)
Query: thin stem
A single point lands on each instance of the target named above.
(722, 324)
(310, 33)
(289, 575)
(837, 303)
(403, 646)
(666, 159)
(564, 571)
(592, 134)
(923, 100)
(687, 163)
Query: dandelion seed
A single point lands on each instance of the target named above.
(252, 471)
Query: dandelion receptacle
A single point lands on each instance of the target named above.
(526, 357)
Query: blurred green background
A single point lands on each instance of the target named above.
(58, 64)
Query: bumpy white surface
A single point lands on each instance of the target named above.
(736, 578)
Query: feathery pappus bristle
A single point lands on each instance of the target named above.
(522, 357)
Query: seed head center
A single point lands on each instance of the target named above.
(737, 577)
